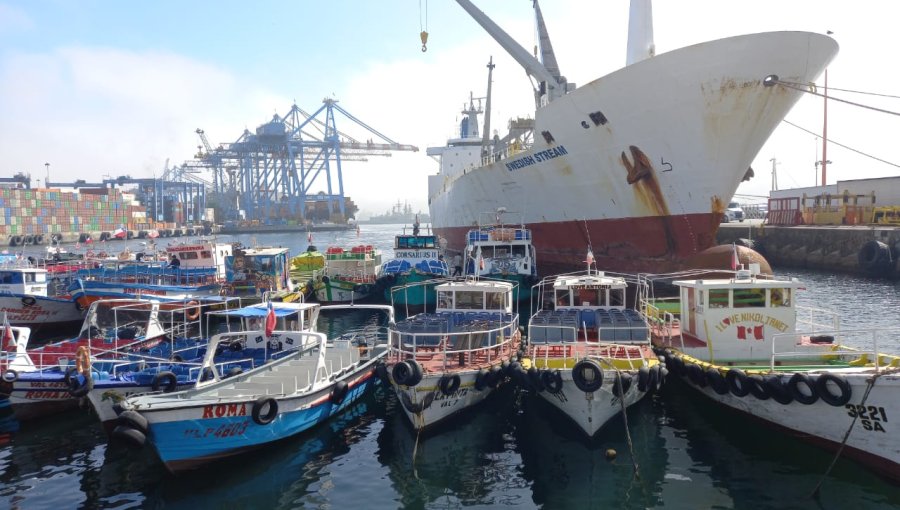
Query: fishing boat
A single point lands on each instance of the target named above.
(151, 374)
(417, 257)
(304, 267)
(589, 355)
(49, 378)
(348, 275)
(742, 341)
(502, 252)
(644, 166)
(220, 417)
(25, 300)
(443, 363)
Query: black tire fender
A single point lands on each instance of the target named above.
(644, 382)
(793, 386)
(778, 389)
(825, 392)
(481, 380)
(552, 380)
(449, 384)
(79, 389)
(339, 392)
(696, 374)
(587, 375)
(134, 420)
(262, 403)
(407, 373)
(165, 381)
(757, 386)
(737, 382)
(535, 380)
(716, 381)
(131, 437)
(495, 376)
(624, 380)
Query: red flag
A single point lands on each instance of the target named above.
(88, 241)
(270, 320)
(309, 237)
(8, 339)
(734, 257)
(590, 258)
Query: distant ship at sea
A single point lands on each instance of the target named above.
(639, 164)
(399, 213)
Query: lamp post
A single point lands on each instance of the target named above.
(47, 180)
(825, 125)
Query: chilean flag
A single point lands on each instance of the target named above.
(8, 340)
(270, 320)
(734, 257)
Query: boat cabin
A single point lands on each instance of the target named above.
(474, 296)
(289, 318)
(419, 252)
(736, 318)
(201, 254)
(249, 271)
(500, 250)
(591, 307)
(31, 281)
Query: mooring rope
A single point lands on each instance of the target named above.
(837, 454)
(634, 462)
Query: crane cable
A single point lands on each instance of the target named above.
(423, 27)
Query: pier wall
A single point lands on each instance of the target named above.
(828, 248)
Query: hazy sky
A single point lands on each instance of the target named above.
(103, 87)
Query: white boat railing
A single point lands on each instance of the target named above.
(860, 344)
(464, 345)
(811, 319)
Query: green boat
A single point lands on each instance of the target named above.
(417, 259)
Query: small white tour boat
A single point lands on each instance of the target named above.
(444, 362)
(588, 354)
(743, 342)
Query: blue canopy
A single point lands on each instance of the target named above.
(262, 310)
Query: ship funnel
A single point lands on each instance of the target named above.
(640, 32)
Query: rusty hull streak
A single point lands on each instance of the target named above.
(642, 176)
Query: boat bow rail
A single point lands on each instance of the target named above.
(836, 348)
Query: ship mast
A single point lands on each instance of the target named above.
(486, 139)
(551, 87)
(640, 32)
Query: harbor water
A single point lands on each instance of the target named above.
(515, 451)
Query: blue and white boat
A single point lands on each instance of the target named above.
(417, 258)
(221, 417)
(502, 252)
(148, 375)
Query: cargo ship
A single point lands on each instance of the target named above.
(639, 164)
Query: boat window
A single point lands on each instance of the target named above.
(496, 301)
(780, 297)
(617, 297)
(6, 277)
(749, 298)
(206, 254)
(562, 298)
(518, 250)
(718, 298)
(588, 297)
(470, 300)
(445, 299)
(188, 255)
(28, 277)
(500, 252)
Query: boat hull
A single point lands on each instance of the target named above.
(419, 296)
(40, 312)
(336, 290)
(189, 436)
(425, 405)
(639, 168)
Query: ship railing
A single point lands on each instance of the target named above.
(855, 348)
(475, 343)
(817, 319)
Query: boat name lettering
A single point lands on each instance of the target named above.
(47, 385)
(420, 254)
(222, 431)
(29, 314)
(762, 320)
(456, 394)
(222, 410)
(47, 395)
(537, 157)
(589, 287)
(870, 417)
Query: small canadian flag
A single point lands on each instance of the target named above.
(734, 257)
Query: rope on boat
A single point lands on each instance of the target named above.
(637, 474)
(837, 454)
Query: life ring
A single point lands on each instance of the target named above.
(737, 382)
(757, 387)
(825, 392)
(449, 384)
(165, 381)
(29, 301)
(132, 437)
(83, 360)
(778, 390)
(407, 373)
(339, 392)
(261, 403)
(552, 380)
(716, 381)
(193, 310)
(623, 380)
(587, 375)
(481, 379)
(806, 398)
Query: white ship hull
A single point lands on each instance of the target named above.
(696, 117)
